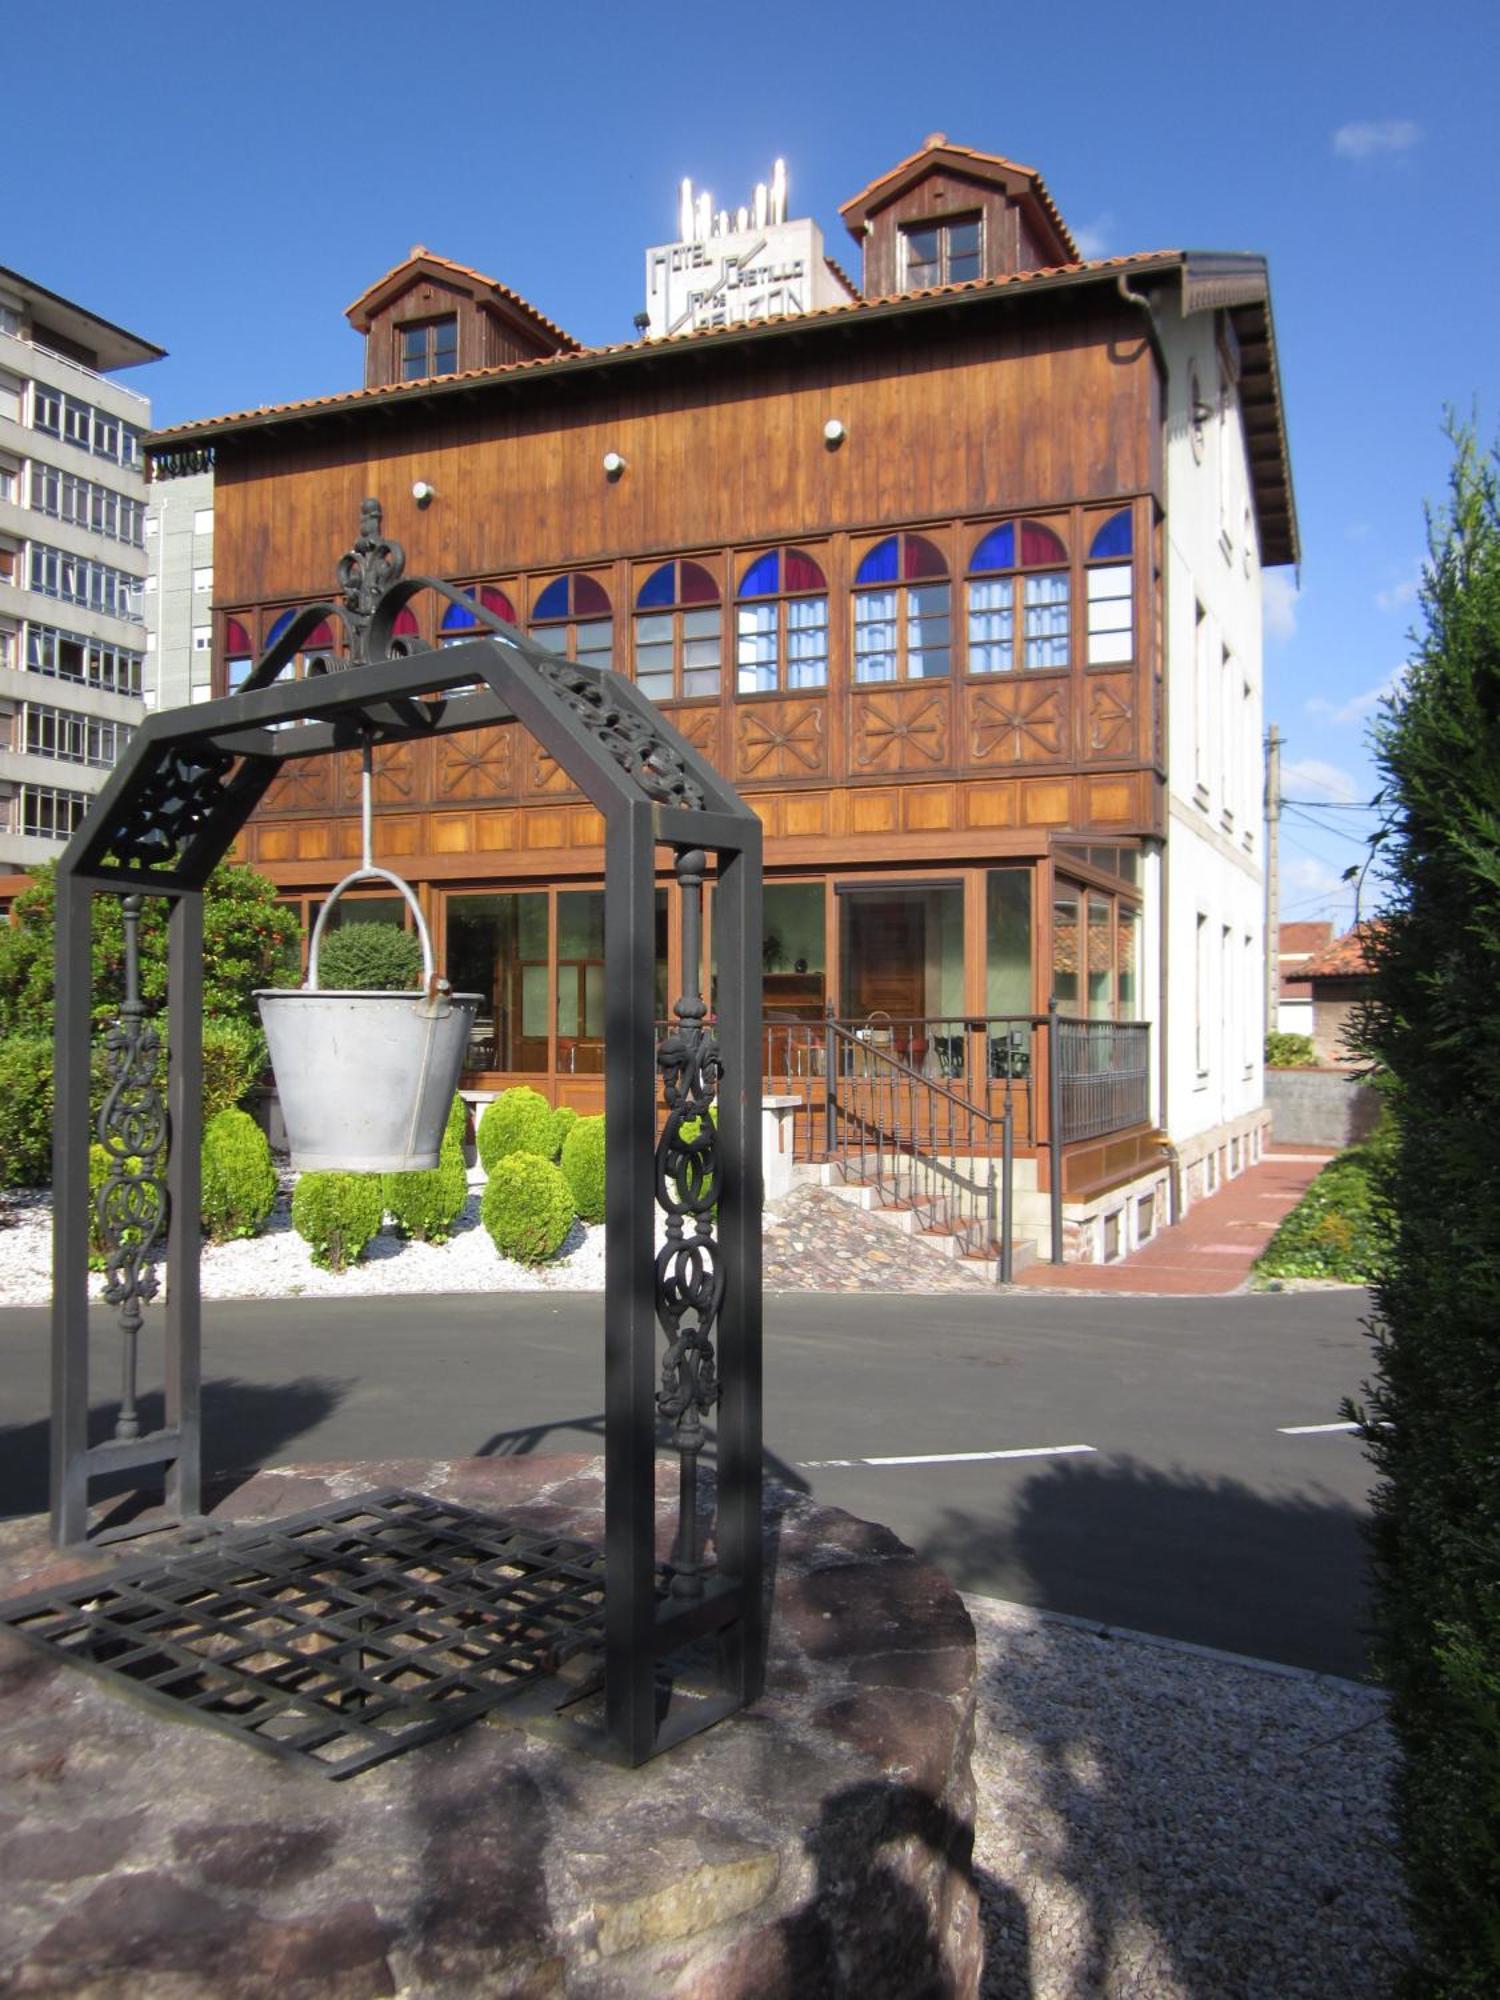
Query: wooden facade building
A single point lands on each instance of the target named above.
(926, 574)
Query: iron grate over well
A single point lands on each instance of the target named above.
(342, 1636)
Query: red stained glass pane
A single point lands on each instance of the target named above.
(496, 601)
(920, 558)
(590, 599)
(695, 585)
(1040, 545)
(236, 638)
(802, 573)
(319, 639)
(405, 626)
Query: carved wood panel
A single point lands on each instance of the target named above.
(702, 726)
(781, 739)
(1018, 722)
(900, 729)
(400, 777)
(476, 764)
(545, 777)
(305, 786)
(1110, 730)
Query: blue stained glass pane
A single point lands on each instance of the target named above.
(997, 550)
(880, 564)
(458, 618)
(656, 590)
(553, 602)
(1113, 539)
(279, 627)
(763, 578)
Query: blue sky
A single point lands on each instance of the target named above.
(227, 181)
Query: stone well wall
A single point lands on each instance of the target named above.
(818, 1844)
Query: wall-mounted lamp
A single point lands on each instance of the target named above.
(642, 323)
(613, 464)
(1202, 411)
(423, 494)
(834, 433)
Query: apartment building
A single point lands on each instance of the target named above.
(73, 561)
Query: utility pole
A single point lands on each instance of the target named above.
(1273, 874)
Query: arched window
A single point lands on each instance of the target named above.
(781, 624)
(1018, 599)
(316, 649)
(239, 655)
(1110, 593)
(572, 615)
(458, 621)
(677, 628)
(902, 629)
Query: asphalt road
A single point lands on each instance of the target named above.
(1193, 1514)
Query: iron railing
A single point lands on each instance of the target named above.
(920, 1144)
(1104, 1081)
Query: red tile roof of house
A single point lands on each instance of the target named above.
(1343, 959)
(1302, 938)
(940, 148)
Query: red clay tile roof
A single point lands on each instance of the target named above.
(1343, 959)
(939, 146)
(1303, 937)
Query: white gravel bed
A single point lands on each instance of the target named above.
(1161, 1823)
(278, 1264)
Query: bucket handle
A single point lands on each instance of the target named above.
(368, 872)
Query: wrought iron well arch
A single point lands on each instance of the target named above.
(170, 811)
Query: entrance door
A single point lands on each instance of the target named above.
(885, 956)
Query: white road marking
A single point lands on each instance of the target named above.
(1311, 1430)
(950, 1457)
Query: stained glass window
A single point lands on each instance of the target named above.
(901, 612)
(781, 624)
(1012, 603)
(677, 633)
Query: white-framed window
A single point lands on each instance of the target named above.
(1200, 702)
(1228, 709)
(203, 578)
(68, 657)
(203, 521)
(71, 738)
(81, 580)
(1200, 996)
(7, 647)
(48, 813)
(10, 479)
(10, 396)
(10, 321)
(203, 638)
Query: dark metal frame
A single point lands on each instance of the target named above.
(171, 810)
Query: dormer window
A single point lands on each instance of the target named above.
(429, 347)
(941, 253)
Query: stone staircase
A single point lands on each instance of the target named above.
(908, 1217)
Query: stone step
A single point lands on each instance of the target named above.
(905, 1217)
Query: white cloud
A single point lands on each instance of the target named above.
(1358, 706)
(1367, 139)
(1403, 591)
(1278, 597)
(1094, 238)
(1307, 777)
(1310, 888)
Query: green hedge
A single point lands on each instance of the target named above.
(337, 1216)
(239, 1181)
(26, 1103)
(517, 1121)
(1338, 1229)
(1290, 1052)
(234, 1057)
(1432, 1425)
(426, 1205)
(527, 1208)
(583, 1166)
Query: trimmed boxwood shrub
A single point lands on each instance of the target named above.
(583, 1165)
(239, 1181)
(564, 1118)
(1290, 1051)
(517, 1121)
(370, 958)
(337, 1215)
(26, 1106)
(1433, 1423)
(527, 1208)
(101, 1165)
(426, 1205)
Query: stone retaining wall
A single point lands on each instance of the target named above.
(1320, 1107)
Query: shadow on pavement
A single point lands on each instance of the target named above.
(245, 1424)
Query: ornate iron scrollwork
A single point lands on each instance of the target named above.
(132, 1204)
(689, 1276)
(172, 801)
(365, 573)
(630, 739)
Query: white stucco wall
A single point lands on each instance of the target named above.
(1214, 891)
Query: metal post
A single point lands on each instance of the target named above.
(737, 926)
(1054, 1131)
(70, 1232)
(830, 1089)
(629, 1291)
(184, 1327)
(1007, 1189)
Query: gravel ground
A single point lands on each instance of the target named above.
(1160, 1823)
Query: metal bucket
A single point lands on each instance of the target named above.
(366, 1079)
